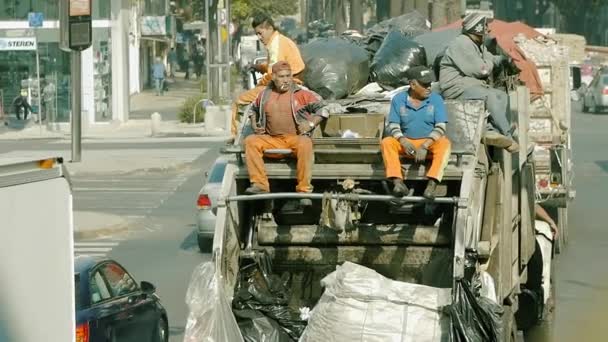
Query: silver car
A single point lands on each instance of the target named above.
(596, 95)
(207, 204)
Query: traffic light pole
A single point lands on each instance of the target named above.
(76, 106)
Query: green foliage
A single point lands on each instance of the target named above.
(242, 10)
(186, 112)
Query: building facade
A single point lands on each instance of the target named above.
(111, 68)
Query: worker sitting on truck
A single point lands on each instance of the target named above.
(282, 117)
(279, 48)
(464, 73)
(417, 124)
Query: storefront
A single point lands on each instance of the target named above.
(18, 68)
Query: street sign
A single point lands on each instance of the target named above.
(75, 24)
(35, 19)
(18, 44)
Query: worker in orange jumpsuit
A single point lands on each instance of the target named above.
(417, 125)
(282, 117)
(279, 48)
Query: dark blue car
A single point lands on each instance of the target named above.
(112, 307)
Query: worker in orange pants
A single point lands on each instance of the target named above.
(439, 155)
(301, 145)
(279, 48)
(417, 124)
(282, 117)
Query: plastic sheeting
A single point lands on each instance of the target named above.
(410, 24)
(435, 43)
(395, 57)
(474, 318)
(210, 318)
(361, 305)
(335, 68)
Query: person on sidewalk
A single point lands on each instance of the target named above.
(158, 73)
(20, 103)
(417, 124)
(172, 62)
(464, 72)
(282, 117)
(279, 48)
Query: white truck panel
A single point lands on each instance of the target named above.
(36, 262)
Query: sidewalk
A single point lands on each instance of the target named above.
(139, 125)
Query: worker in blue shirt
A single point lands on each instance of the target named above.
(417, 125)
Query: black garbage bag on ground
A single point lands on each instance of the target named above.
(335, 68)
(474, 318)
(397, 54)
(261, 304)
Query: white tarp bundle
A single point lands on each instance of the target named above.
(361, 305)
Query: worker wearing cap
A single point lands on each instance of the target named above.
(464, 73)
(279, 48)
(417, 125)
(282, 117)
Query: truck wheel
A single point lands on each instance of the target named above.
(204, 244)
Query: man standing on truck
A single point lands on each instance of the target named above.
(417, 124)
(279, 48)
(282, 117)
(464, 73)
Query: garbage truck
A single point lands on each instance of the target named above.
(37, 300)
(478, 230)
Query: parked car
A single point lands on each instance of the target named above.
(596, 96)
(111, 306)
(206, 203)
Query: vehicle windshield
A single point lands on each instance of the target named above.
(217, 173)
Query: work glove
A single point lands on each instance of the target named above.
(421, 153)
(408, 146)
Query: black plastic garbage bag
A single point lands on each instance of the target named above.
(397, 54)
(261, 304)
(335, 68)
(256, 327)
(474, 318)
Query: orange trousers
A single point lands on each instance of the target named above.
(244, 99)
(439, 153)
(302, 150)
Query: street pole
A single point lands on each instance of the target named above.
(76, 106)
(430, 11)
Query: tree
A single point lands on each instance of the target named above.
(575, 13)
(242, 10)
(356, 15)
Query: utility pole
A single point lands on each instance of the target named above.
(218, 50)
(356, 15)
(431, 6)
(75, 32)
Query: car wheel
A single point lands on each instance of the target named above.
(161, 333)
(205, 244)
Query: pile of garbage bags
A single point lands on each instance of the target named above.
(335, 68)
(358, 304)
(339, 67)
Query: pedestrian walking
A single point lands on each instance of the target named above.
(158, 73)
